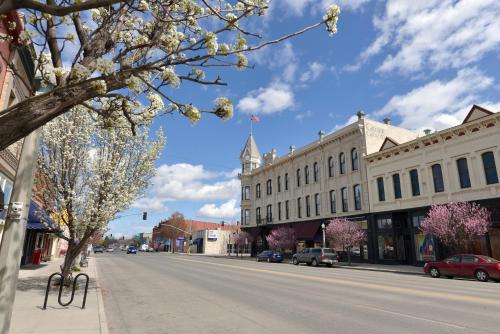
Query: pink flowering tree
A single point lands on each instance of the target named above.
(242, 239)
(344, 233)
(282, 238)
(457, 224)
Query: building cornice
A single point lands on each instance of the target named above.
(337, 136)
(438, 137)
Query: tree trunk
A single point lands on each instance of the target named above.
(349, 256)
(70, 257)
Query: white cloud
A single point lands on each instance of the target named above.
(186, 182)
(434, 34)
(275, 98)
(440, 104)
(313, 71)
(301, 116)
(301, 7)
(150, 204)
(226, 210)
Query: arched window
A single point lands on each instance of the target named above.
(306, 174)
(315, 172)
(269, 187)
(342, 163)
(331, 171)
(298, 177)
(381, 189)
(278, 181)
(437, 177)
(257, 190)
(357, 197)
(463, 173)
(354, 159)
(490, 168)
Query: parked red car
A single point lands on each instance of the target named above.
(465, 265)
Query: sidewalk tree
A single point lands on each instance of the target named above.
(123, 59)
(457, 224)
(344, 233)
(95, 173)
(172, 228)
(242, 239)
(282, 238)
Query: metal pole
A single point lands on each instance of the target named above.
(15, 229)
(324, 240)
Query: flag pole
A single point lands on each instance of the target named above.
(251, 126)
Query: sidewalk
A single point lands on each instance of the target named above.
(29, 317)
(388, 268)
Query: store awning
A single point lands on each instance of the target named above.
(39, 219)
(307, 230)
(197, 241)
(253, 231)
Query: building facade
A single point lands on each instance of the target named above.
(313, 184)
(406, 178)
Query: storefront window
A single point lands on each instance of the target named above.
(425, 247)
(384, 223)
(417, 220)
(386, 249)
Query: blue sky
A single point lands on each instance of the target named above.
(421, 63)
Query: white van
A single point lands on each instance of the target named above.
(144, 248)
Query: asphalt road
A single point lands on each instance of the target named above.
(165, 293)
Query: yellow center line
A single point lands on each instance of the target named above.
(393, 289)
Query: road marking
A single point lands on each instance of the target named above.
(409, 316)
(405, 291)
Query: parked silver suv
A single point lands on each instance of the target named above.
(316, 256)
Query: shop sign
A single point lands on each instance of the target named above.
(212, 235)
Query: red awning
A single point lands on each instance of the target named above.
(306, 230)
(253, 231)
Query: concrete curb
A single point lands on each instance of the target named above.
(103, 324)
(393, 271)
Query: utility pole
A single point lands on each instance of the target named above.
(15, 228)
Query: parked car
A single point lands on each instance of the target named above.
(269, 256)
(144, 248)
(98, 249)
(480, 267)
(316, 256)
(110, 249)
(132, 250)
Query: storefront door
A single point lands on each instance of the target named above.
(402, 233)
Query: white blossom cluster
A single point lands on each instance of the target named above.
(94, 173)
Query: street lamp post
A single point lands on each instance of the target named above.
(324, 241)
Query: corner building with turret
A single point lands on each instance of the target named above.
(311, 185)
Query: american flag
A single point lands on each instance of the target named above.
(254, 118)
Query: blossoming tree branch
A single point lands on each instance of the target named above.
(103, 55)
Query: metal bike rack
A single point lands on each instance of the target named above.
(61, 287)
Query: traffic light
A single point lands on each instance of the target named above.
(144, 215)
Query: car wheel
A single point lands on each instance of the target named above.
(434, 272)
(314, 263)
(295, 261)
(482, 275)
